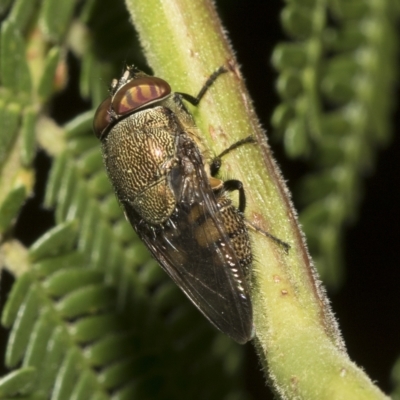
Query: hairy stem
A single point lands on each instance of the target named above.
(296, 334)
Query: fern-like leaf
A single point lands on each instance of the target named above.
(335, 82)
(72, 337)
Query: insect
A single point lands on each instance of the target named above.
(181, 212)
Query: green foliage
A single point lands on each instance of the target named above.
(334, 83)
(94, 316)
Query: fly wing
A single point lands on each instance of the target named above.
(195, 251)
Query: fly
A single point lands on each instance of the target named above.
(182, 214)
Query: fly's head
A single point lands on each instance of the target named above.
(132, 92)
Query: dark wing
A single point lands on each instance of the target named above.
(195, 251)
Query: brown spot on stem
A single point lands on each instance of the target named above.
(277, 278)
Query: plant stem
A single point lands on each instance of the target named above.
(297, 337)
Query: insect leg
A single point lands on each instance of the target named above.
(233, 184)
(217, 161)
(212, 78)
(286, 246)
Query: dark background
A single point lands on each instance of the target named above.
(368, 304)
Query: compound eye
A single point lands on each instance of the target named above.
(139, 92)
(102, 118)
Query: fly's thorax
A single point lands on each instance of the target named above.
(234, 223)
(139, 152)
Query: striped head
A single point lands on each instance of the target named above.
(131, 93)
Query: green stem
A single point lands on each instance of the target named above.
(297, 336)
